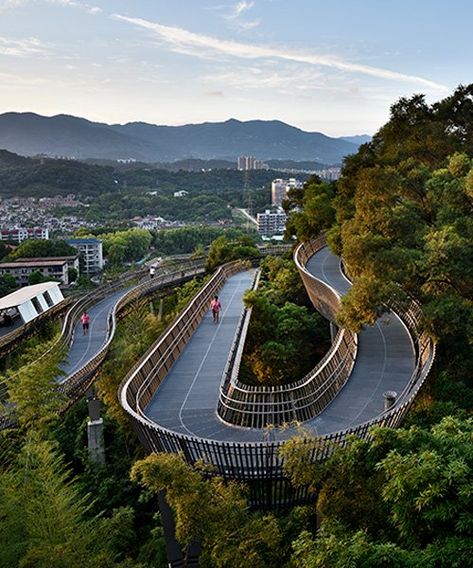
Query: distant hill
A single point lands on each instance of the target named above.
(20, 176)
(359, 139)
(39, 177)
(30, 134)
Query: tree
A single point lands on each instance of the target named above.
(40, 247)
(33, 392)
(223, 250)
(402, 499)
(318, 213)
(72, 274)
(212, 512)
(45, 521)
(36, 277)
(7, 284)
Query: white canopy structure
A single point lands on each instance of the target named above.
(31, 301)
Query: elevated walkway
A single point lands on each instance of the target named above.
(185, 402)
(85, 347)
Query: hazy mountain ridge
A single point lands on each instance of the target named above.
(62, 135)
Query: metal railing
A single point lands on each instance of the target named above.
(259, 406)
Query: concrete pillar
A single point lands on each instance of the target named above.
(95, 440)
(389, 399)
(160, 309)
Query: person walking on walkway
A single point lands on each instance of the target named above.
(85, 319)
(215, 306)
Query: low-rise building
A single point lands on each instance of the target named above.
(31, 301)
(20, 234)
(91, 253)
(250, 163)
(48, 268)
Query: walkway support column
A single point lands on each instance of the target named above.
(95, 440)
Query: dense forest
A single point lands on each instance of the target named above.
(401, 216)
(20, 176)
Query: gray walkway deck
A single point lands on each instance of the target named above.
(84, 347)
(187, 399)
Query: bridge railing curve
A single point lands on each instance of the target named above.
(259, 406)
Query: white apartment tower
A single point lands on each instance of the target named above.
(280, 187)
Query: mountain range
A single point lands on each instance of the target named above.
(31, 134)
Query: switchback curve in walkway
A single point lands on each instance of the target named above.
(186, 401)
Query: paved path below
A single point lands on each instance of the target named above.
(84, 347)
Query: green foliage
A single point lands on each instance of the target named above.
(72, 274)
(128, 245)
(403, 499)
(284, 339)
(404, 224)
(223, 250)
(39, 248)
(317, 213)
(213, 512)
(187, 239)
(36, 277)
(45, 521)
(7, 284)
(32, 392)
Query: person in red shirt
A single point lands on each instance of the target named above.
(85, 319)
(215, 306)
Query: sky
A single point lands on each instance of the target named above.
(334, 66)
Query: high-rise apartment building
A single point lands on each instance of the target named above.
(280, 187)
(91, 254)
(271, 223)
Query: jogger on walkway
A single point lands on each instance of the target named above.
(85, 319)
(215, 306)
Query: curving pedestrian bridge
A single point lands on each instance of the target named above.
(106, 305)
(184, 394)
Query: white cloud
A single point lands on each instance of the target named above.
(6, 4)
(239, 8)
(200, 45)
(78, 5)
(21, 47)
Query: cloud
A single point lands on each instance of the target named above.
(78, 5)
(6, 4)
(215, 94)
(236, 11)
(200, 45)
(239, 8)
(21, 47)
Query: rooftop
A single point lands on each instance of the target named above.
(89, 241)
(32, 262)
(24, 294)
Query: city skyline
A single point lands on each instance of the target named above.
(332, 68)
